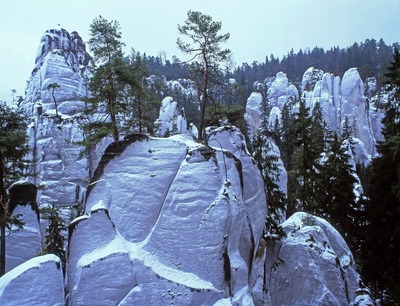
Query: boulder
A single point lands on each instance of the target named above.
(38, 281)
(312, 265)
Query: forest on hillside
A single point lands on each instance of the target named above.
(370, 57)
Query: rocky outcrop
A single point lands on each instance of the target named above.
(23, 243)
(38, 281)
(172, 119)
(54, 134)
(355, 108)
(326, 91)
(61, 59)
(190, 238)
(253, 115)
(311, 266)
(339, 99)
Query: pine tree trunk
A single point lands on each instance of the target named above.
(3, 220)
(3, 247)
(202, 129)
(140, 113)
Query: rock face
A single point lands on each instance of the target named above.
(342, 100)
(172, 120)
(23, 244)
(190, 239)
(38, 281)
(61, 59)
(355, 107)
(253, 113)
(169, 221)
(311, 266)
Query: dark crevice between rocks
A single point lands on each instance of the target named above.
(114, 150)
(23, 193)
(238, 165)
(227, 271)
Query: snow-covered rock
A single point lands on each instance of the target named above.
(172, 120)
(359, 153)
(363, 298)
(310, 77)
(189, 239)
(311, 266)
(253, 113)
(340, 100)
(23, 244)
(62, 60)
(61, 169)
(38, 281)
(275, 117)
(355, 108)
(277, 92)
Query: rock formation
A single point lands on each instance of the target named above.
(311, 266)
(342, 100)
(170, 221)
(23, 244)
(38, 281)
(62, 60)
(172, 120)
(191, 238)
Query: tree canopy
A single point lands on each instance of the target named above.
(206, 55)
(13, 148)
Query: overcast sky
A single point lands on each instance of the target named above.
(257, 28)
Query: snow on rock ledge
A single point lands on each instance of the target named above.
(311, 266)
(38, 281)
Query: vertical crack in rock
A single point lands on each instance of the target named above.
(113, 150)
(162, 204)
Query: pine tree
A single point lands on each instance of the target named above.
(335, 188)
(381, 250)
(317, 132)
(106, 89)
(206, 57)
(270, 172)
(305, 168)
(287, 140)
(139, 107)
(53, 87)
(54, 238)
(347, 130)
(13, 148)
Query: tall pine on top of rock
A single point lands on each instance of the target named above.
(105, 87)
(206, 56)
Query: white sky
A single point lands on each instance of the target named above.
(257, 28)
